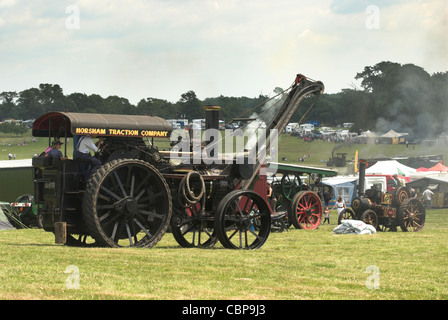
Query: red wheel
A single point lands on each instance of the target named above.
(306, 210)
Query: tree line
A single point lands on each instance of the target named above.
(404, 98)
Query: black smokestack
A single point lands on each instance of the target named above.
(211, 122)
(362, 176)
(212, 117)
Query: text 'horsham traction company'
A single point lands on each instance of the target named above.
(122, 132)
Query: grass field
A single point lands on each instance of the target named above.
(294, 265)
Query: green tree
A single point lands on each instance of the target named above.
(118, 105)
(156, 107)
(30, 103)
(8, 106)
(52, 97)
(189, 106)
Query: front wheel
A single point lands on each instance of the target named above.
(127, 203)
(194, 229)
(370, 217)
(346, 214)
(411, 215)
(243, 220)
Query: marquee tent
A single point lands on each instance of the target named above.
(439, 167)
(393, 137)
(394, 134)
(390, 167)
(437, 184)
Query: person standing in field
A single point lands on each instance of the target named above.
(327, 215)
(428, 196)
(340, 204)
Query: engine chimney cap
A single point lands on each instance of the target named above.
(212, 108)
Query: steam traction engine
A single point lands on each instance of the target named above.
(386, 210)
(139, 191)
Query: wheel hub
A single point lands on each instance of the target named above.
(126, 206)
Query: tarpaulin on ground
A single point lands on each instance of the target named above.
(354, 227)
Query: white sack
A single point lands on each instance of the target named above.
(354, 227)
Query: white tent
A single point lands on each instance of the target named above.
(390, 167)
(394, 134)
(393, 137)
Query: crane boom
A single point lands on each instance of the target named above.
(301, 88)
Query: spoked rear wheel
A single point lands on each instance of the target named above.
(243, 220)
(127, 203)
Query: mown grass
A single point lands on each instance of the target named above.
(293, 265)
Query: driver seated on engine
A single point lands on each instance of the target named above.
(398, 181)
(82, 151)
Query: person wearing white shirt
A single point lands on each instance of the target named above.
(340, 204)
(82, 151)
(428, 195)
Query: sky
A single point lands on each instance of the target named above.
(163, 48)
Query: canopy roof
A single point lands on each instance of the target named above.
(393, 134)
(390, 167)
(68, 124)
(333, 181)
(440, 184)
(439, 167)
(285, 168)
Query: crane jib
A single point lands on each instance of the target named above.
(302, 88)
